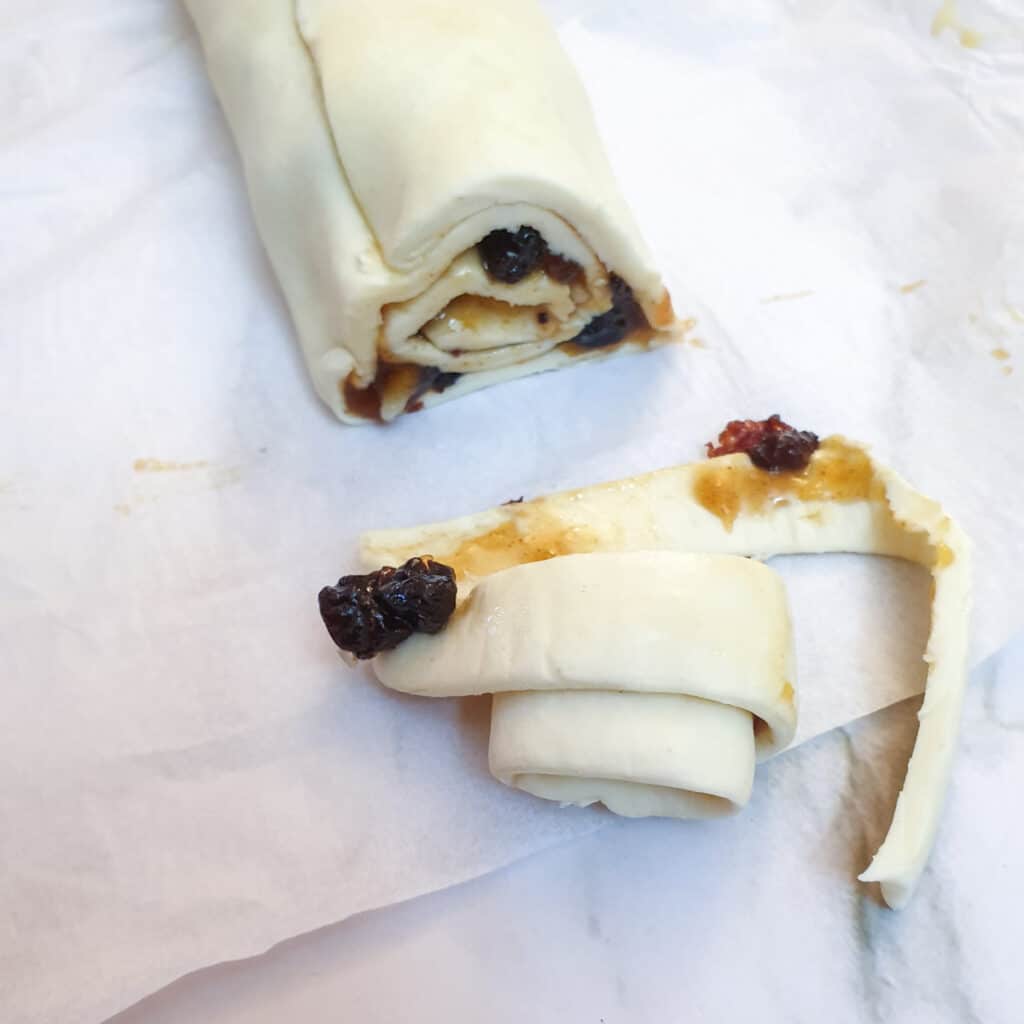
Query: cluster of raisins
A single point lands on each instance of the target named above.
(376, 612)
(508, 256)
(770, 444)
(431, 378)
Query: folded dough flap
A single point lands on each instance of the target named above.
(651, 681)
(443, 110)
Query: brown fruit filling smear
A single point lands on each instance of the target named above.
(835, 471)
(395, 380)
(509, 257)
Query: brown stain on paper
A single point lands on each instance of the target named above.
(156, 479)
(1002, 355)
(786, 297)
(948, 17)
(166, 466)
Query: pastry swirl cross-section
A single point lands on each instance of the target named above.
(617, 677)
(583, 699)
(436, 225)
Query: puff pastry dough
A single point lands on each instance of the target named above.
(381, 142)
(651, 681)
(843, 501)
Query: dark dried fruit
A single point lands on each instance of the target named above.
(376, 612)
(355, 620)
(508, 256)
(430, 379)
(787, 451)
(420, 593)
(739, 436)
(770, 444)
(610, 328)
(443, 381)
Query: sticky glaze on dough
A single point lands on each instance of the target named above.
(844, 501)
(373, 179)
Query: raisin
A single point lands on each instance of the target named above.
(788, 451)
(355, 621)
(430, 379)
(770, 444)
(508, 256)
(610, 328)
(376, 612)
(739, 436)
(443, 381)
(420, 593)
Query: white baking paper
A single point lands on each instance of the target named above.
(653, 921)
(187, 772)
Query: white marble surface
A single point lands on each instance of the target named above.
(655, 921)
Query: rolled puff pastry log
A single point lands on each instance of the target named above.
(844, 501)
(650, 681)
(381, 142)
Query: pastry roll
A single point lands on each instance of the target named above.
(431, 190)
(649, 681)
(842, 500)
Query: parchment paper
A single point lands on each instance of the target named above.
(187, 774)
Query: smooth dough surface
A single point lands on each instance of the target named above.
(651, 681)
(844, 501)
(380, 143)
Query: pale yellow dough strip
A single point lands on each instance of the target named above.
(618, 677)
(844, 501)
